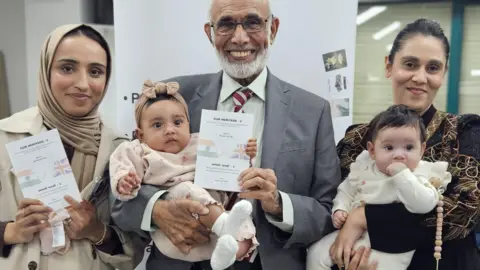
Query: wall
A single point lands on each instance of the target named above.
(470, 70)
(41, 18)
(13, 45)
(24, 24)
(108, 107)
(164, 53)
(373, 92)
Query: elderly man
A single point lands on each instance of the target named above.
(296, 172)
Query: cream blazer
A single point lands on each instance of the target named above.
(83, 255)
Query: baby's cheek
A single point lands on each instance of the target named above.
(412, 161)
(382, 165)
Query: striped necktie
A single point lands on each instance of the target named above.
(240, 97)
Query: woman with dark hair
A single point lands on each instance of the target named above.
(416, 66)
(75, 67)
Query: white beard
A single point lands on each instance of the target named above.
(244, 70)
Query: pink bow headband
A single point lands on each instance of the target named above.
(152, 89)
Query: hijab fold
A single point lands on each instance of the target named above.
(82, 133)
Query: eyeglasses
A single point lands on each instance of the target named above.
(250, 25)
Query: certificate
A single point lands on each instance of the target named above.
(221, 155)
(43, 170)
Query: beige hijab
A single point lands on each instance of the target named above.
(82, 133)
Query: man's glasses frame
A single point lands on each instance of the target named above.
(248, 25)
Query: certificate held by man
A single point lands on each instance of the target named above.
(43, 170)
(221, 155)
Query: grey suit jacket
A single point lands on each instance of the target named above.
(298, 144)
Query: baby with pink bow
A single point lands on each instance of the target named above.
(164, 155)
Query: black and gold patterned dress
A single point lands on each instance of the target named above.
(392, 229)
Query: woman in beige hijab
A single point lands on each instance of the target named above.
(74, 72)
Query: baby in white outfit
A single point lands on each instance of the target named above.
(391, 170)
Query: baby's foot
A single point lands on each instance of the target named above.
(240, 212)
(230, 222)
(225, 253)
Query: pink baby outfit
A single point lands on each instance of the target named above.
(175, 173)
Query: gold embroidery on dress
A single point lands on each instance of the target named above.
(351, 146)
(435, 123)
(462, 198)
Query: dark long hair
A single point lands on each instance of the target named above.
(424, 27)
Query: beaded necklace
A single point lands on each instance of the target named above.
(437, 183)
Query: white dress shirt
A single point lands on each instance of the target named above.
(256, 106)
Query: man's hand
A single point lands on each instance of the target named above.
(251, 149)
(175, 219)
(360, 258)
(395, 167)
(261, 184)
(352, 230)
(339, 218)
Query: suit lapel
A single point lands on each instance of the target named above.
(276, 113)
(206, 97)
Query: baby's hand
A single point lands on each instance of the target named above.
(395, 168)
(128, 183)
(339, 218)
(251, 149)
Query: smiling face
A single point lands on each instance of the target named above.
(243, 53)
(78, 75)
(417, 71)
(164, 126)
